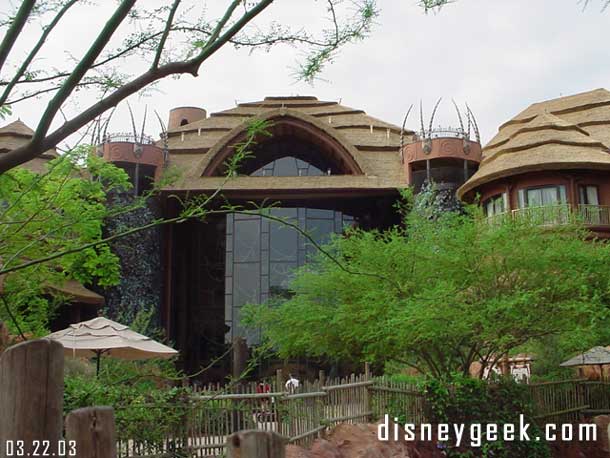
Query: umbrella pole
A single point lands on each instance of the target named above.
(99, 355)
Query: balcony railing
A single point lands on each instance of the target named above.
(552, 215)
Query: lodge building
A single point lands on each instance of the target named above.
(326, 166)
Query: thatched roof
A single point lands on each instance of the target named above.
(371, 143)
(76, 292)
(566, 133)
(16, 128)
(597, 356)
(17, 134)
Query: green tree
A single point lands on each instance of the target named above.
(59, 210)
(51, 226)
(442, 292)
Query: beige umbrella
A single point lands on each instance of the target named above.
(101, 336)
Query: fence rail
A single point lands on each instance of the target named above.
(553, 215)
(202, 424)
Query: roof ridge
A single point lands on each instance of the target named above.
(17, 127)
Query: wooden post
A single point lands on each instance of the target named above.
(256, 444)
(368, 406)
(93, 431)
(322, 378)
(240, 357)
(279, 404)
(4, 336)
(31, 394)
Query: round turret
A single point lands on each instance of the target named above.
(181, 116)
(446, 156)
(139, 157)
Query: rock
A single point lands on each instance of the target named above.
(603, 432)
(360, 441)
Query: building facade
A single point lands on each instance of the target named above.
(324, 167)
(551, 162)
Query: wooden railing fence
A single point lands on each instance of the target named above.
(31, 400)
(566, 401)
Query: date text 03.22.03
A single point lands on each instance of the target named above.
(40, 448)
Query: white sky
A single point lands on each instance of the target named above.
(497, 55)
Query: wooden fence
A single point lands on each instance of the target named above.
(31, 398)
(214, 413)
(566, 401)
(200, 425)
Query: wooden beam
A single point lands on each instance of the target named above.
(31, 395)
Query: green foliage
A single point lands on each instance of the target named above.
(146, 407)
(59, 210)
(464, 400)
(5, 110)
(441, 292)
(143, 321)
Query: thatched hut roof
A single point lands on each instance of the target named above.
(566, 133)
(17, 134)
(16, 128)
(371, 145)
(596, 356)
(76, 292)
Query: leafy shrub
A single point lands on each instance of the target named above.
(147, 408)
(464, 400)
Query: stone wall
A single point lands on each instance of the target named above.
(140, 257)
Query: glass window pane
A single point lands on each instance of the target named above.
(489, 207)
(283, 242)
(592, 197)
(246, 284)
(562, 194)
(534, 197)
(521, 198)
(321, 214)
(247, 241)
(281, 273)
(549, 196)
(288, 166)
(320, 230)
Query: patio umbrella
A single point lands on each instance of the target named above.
(101, 336)
(596, 356)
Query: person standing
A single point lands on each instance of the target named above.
(292, 385)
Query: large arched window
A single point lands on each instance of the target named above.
(289, 166)
(289, 157)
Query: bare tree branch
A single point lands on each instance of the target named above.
(28, 60)
(168, 27)
(41, 143)
(79, 71)
(15, 29)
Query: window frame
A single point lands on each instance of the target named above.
(522, 199)
(500, 197)
(583, 187)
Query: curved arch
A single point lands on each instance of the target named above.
(289, 123)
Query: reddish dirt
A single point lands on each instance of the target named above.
(360, 441)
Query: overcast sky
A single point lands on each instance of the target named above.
(497, 55)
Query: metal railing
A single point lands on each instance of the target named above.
(594, 215)
(553, 215)
(129, 138)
